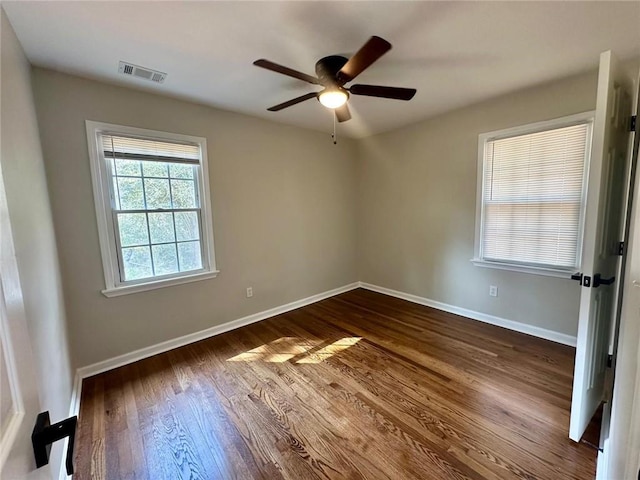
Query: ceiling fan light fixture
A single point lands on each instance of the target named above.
(333, 98)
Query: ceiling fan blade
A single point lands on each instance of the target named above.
(384, 92)
(342, 113)
(294, 101)
(369, 53)
(274, 67)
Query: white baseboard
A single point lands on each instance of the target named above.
(146, 352)
(162, 347)
(482, 317)
(149, 351)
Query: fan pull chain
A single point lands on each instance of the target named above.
(334, 134)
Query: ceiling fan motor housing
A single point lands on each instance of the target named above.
(327, 69)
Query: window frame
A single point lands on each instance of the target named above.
(566, 121)
(105, 211)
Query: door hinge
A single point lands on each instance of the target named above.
(621, 248)
(609, 361)
(632, 123)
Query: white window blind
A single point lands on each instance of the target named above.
(149, 150)
(533, 194)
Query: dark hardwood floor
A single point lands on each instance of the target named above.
(357, 386)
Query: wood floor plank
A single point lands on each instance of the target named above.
(358, 386)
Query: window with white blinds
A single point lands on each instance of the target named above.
(154, 214)
(533, 193)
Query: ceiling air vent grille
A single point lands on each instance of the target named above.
(142, 72)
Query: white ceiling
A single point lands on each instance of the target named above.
(454, 53)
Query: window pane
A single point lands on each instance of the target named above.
(184, 193)
(133, 229)
(165, 259)
(181, 171)
(131, 196)
(161, 227)
(157, 192)
(189, 254)
(154, 169)
(137, 263)
(187, 227)
(128, 167)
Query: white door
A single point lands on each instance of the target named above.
(19, 395)
(603, 232)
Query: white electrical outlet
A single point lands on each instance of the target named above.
(249, 292)
(493, 290)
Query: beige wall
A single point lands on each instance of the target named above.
(417, 204)
(283, 215)
(295, 215)
(23, 174)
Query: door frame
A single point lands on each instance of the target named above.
(14, 450)
(9, 427)
(12, 325)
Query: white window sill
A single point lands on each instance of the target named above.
(152, 285)
(549, 272)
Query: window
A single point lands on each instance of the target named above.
(152, 203)
(531, 196)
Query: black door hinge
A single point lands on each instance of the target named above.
(621, 248)
(609, 361)
(632, 123)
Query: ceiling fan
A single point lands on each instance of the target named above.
(333, 72)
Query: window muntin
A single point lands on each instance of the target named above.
(152, 204)
(533, 193)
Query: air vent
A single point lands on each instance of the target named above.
(142, 72)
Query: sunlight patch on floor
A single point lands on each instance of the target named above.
(286, 348)
(330, 350)
(277, 351)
